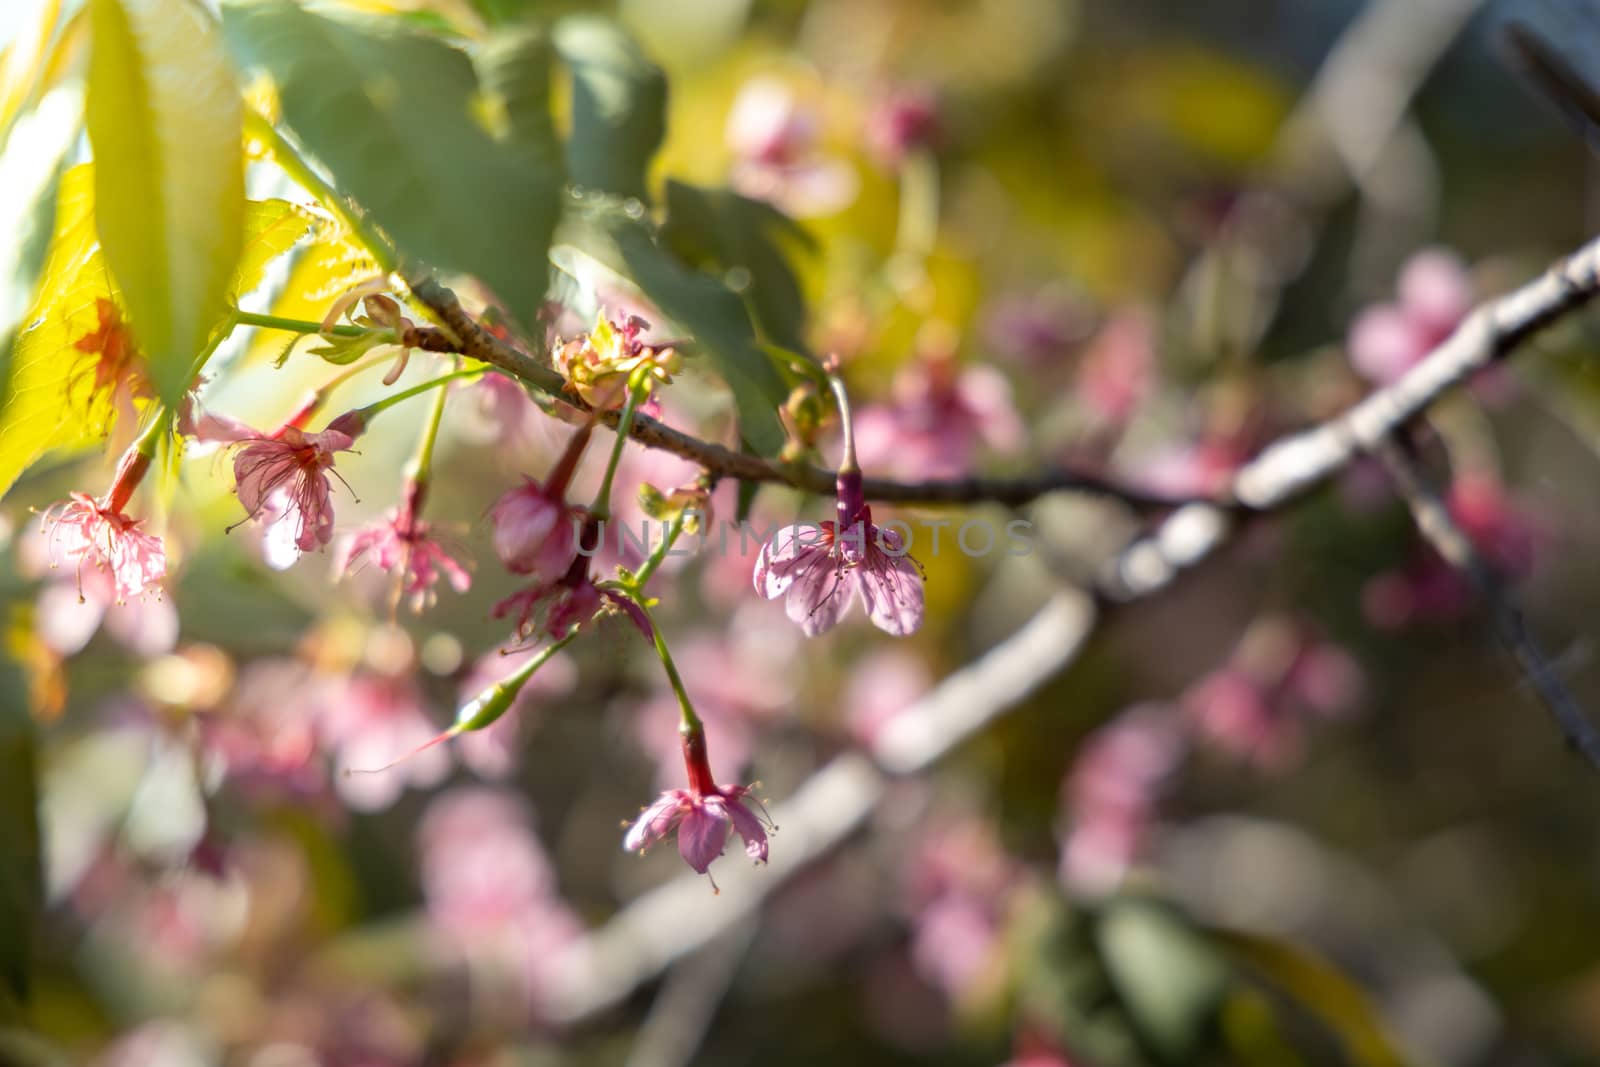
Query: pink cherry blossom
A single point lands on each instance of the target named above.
(402, 544)
(703, 821)
(1118, 369)
(534, 530)
(378, 729)
(821, 572)
(284, 474)
(84, 532)
(1038, 329)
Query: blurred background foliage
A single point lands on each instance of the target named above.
(1401, 872)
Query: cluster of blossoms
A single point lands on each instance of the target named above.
(1255, 707)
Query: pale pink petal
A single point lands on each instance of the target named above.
(791, 551)
(892, 589)
(749, 828)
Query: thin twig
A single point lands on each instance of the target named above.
(1436, 525)
(478, 343)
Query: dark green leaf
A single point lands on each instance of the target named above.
(514, 68)
(619, 106)
(393, 115)
(741, 238)
(720, 326)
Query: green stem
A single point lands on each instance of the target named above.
(487, 707)
(601, 508)
(422, 462)
(278, 322)
(670, 537)
(287, 157)
(376, 408)
(690, 722)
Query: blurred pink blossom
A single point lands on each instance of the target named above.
(1037, 329)
(903, 120)
(403, 545)
(377, 729)
(774, 137)
(1118, 369)
(939, 416)
(1279, 679)
(958, 883)
(1110, 795)
(883, 684)
(1434, 295)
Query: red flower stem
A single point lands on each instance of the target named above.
(696, 762)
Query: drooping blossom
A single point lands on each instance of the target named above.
(774, 135)
(822, 568)
(282, 476)
(1433, 295)
(535, 530)
(87, 533)
(1111, 792)
(402, 544)
(903, 121)
(69, 613)
(938, 418)
(704, 815)
(1280, 679)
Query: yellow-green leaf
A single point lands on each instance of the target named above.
(166, 122)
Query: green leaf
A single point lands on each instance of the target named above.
(1170, 978)
(514, 68)
(619, 106)
(720, 325)
(166, 122)
(396, 117)
(1319, 987)
(21, 878)
(742, 239)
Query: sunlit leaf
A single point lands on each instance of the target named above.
(619, 103)
(166, 122)
(22, 69)
(699, 306)
(395, 116)
(70, 356)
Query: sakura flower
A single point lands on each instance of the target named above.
(821, 569)
(378, 729)
(1119, 367)
(534, 528)
(703, 822)
(284, 474)
(704, 815)
(402, 544)
(100, 535)
(1281, 678)
(598, 365)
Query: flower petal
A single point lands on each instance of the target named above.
(750, 828)
(892, 589)
(790, 550)
(703, 832)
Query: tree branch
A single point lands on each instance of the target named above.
(478, 343)
(1434, 522)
